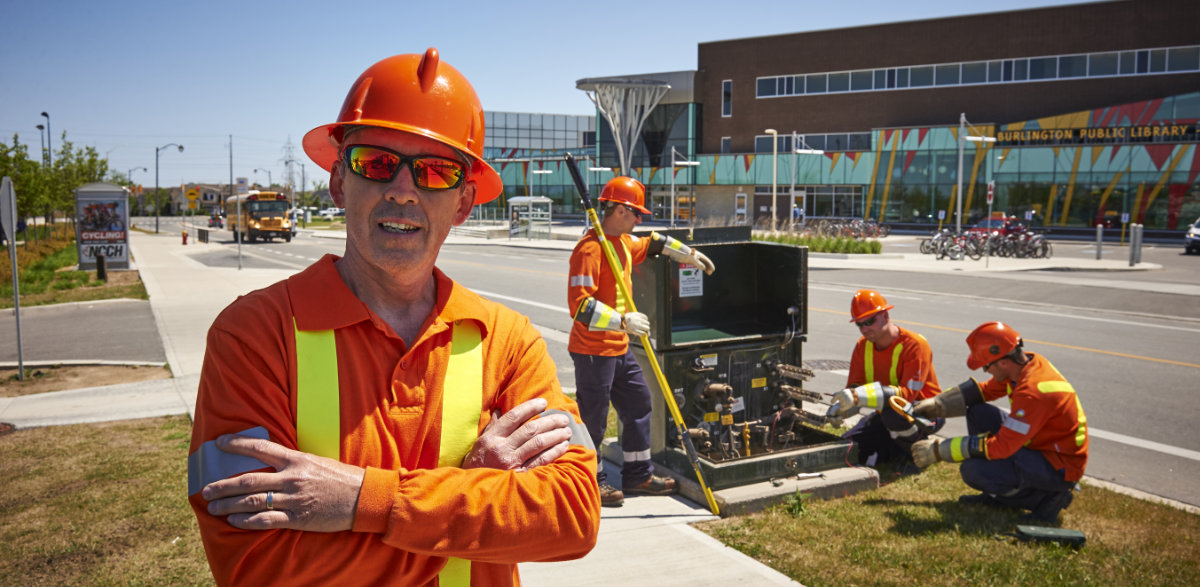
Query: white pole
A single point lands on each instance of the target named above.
(962, 132)
(774, 171)
(672, 186)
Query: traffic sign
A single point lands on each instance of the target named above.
(991, 192)
(192, 194)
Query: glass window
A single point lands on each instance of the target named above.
(1102, 64)
(921, 76)
(1187, 106)
(727, 98)
(815, 142)
(947, 75)
(1008, 70)
(837, 142)
(995, 69)
(1072, 66)
(766, 87)
(799, 82)
(1186, 59)
(1128, 62)
(861, 81)
(860, 141)
(1143, 61)
(881, 79)
(839, 82)
(1020, 70)
(815, 84)
(1043, 68)
(762, 144)
(1158, 60)
(902, 77)
(974, 73)
(891, 79)
(726, 145)
(789, 86)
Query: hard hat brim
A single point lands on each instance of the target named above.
(322, 146)
(870, 313)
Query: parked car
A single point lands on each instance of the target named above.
(1191, 240)
(216, 221)
(329, 213)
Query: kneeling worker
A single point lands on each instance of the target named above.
(888, 362)
(605, 369)
(1032, 457)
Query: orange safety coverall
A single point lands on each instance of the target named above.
(914, 373)
(1045, 415)
(411, 514)
(590, 276)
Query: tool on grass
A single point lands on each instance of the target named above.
(615, 266)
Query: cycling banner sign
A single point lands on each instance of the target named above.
(101, 224)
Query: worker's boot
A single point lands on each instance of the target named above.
(611, 497)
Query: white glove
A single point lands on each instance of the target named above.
(843, 404)
(925, 452)
(702, 262)
(635, 323)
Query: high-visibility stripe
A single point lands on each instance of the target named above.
(895, 380)
(1054, 386)
(958, 449)
(582, 280)
(606, 316)
(637, 455)
(318, 414)
(1016, 425)
(210, 463)
(874, 395)
(462, 405)
(462, 391)
(621, 306)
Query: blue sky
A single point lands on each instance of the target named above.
(127, 76)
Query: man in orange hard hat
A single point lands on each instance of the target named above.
(368, 420)
(1030, 458)
(891, 369)
(605, 370)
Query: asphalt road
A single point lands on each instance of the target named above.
(1130, 354)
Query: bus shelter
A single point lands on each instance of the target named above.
(529, 216)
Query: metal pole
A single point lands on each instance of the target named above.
(672, 186)
(42, 133)
(49, 140)
(774, 171)
(156, 150)
(792, 193)
(1099, 239)
(962, 132)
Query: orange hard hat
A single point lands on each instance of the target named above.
(867, 303)
(625, 190)
(417, 94)
(989, 342)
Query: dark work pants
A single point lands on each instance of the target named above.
(872, 437)
(1022, 480)
(600, 380)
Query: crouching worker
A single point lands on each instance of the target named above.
(891, 368)
(1028, 459)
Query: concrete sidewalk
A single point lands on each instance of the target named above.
(648, 541)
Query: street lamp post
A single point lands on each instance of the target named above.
(270, 182)
(804, 150)
(774, 170)
(42, 133)
(962, 139)
(156, 203)
(49, 140)
(686, 163)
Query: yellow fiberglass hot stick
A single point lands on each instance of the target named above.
(615, 266)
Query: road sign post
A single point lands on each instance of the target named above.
(8, 220)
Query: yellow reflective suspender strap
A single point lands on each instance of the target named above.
(462, 405)
(895, 364)
(621, 306)
(462, 394)
(869, 362)
(318, 415)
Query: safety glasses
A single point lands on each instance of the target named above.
(867, 322)
(429, 172)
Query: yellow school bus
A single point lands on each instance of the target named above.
(263, 215)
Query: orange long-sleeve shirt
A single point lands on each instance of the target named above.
(1045, 415)
(411, 513)
(591, 277)
(911, 371)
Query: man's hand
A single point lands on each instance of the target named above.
(702, 262)
(635, 323)
(930, 408)
(924, 452)
(516, 442)
(307, 492)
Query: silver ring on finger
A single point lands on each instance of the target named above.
(270, 500)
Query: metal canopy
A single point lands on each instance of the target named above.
(625, 104)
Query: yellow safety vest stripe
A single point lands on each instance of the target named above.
(869, 363)
(318, 416)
